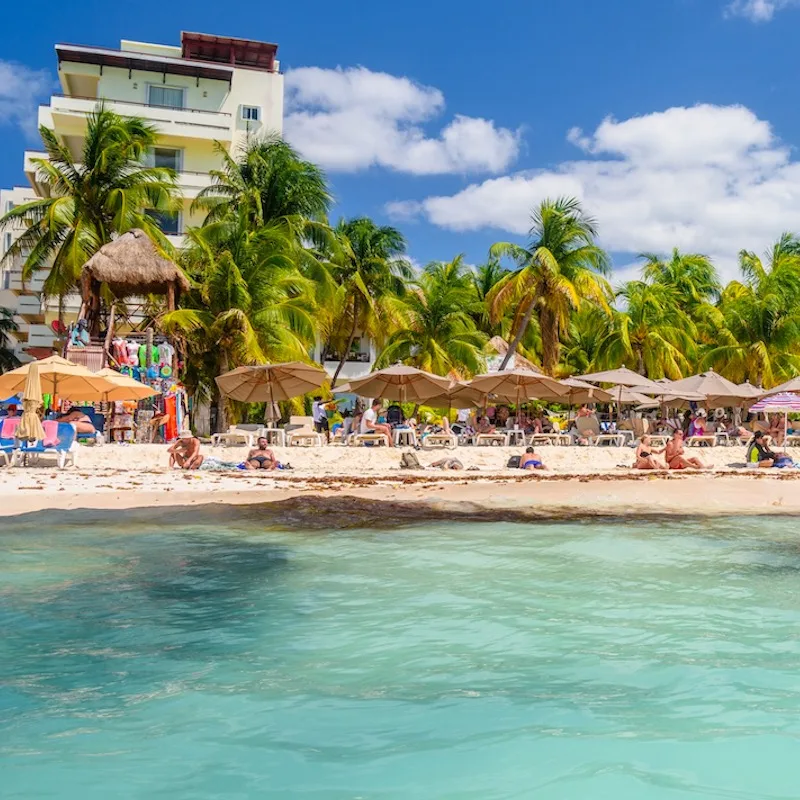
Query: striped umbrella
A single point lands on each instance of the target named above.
(785, 402)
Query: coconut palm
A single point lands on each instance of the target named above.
(561, 267)
(439, 334)
(691, 275)
(583, 349)
(761, 314)
(653, 334)
(250, 303)
(105, 191)
(7, 326)
(372, 276)
(484, 279)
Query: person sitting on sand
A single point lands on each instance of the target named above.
(760, 454)
(261, 457)
(370, 424)
(674, 454)
(447, 463)
(185, 453)
(646, 455)
(530, 460)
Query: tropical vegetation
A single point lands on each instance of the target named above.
(7, 326)
(274, 279)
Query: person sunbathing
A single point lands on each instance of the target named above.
(447, 463)
(185, 453)
(530, 460)
(675, 457)
(261, 457)
(646, 455)
(82, 422)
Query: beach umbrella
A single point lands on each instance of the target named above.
(516, 385)
(269, 383)
(792, 385)
(125, 387)
(718, 391)
(785, 402)
(459, 395)
(58, 377)
(621, 377)
(401, 383)
(30, 426)
(750, 391)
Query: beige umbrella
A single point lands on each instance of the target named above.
(517, 385)
(30, 426)
(401, 383)
(125, 387)
(792, 385)
(459, 395)
(718, 391)
(269, 383)
(753, 391)
(58, 377)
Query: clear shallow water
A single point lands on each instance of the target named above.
(548, 660)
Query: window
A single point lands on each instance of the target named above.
(166, 96)
(168, 157)
(251, 113)
(6, 242)
(9, 205)
(169, 223)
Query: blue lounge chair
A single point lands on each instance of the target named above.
(62, 449)
(98, 420)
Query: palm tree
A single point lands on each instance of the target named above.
(7, 326)
(250, 304)
(761, 317)
(583, 349)
(106, 191)
(372, 275)
(484, 279)
(561, 267)
(691, 275)
(653, 332)
(439, 334)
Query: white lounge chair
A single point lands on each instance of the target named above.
(300, 433)
(371, 439)
(238, 434)
(436, 440)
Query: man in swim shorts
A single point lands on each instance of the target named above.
(185, 453)
(261, 457)
(530, 460)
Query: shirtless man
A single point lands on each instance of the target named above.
(185, 453)
(82, 422)
(674, 454)
(261, 457)
(531, 460)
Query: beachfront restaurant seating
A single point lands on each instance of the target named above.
(241, 434)
(59, 438)
(300, 433)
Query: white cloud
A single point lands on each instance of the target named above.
(706, 179)
(352, 119)
(757, 10)
(21, 88)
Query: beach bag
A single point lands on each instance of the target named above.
(514, 462)
(409, 460)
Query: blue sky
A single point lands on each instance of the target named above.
(675, 121)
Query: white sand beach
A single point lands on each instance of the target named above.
(581, 480)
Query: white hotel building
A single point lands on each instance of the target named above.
(210, 89)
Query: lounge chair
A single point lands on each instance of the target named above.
(300, 432)
(238, 434)
(548, 438)
(710, 440)
(59, 440)
(491, 440)
(370, 439)
(98, 421)
(435, 440)
(588, 428)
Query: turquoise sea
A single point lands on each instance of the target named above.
(234, 655)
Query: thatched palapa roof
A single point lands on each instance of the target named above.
(132, 265)
(500, 346)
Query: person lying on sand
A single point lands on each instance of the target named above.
(530, 460)
(447, 463)
(674, 454)
(646, 455)
(261, 457)
(185, 453)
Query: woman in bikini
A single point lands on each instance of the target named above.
(646, 455)
(674, 454)
(261, 457)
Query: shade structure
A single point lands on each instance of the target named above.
(785, 402)
(666, 393)
(126, 388)
(718, 391)
(625, 396)
(30, 426)
(59, 377)
(516, 385)
(459, 395)
(792, 385)
(755, 391)
(578, 393)
(269, 383)
(621, 377)
(402, 384)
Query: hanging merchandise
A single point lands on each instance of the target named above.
(166, 371)
(166, 353)
(143, 355)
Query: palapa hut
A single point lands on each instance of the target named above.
(130, 266)
(497, 348)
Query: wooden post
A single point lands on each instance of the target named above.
(149, 349)
(109, 335)
(170, 296)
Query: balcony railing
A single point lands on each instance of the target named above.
(144, 105)
(361, 358)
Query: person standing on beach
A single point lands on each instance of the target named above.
(321, 418)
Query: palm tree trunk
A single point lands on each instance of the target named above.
(514, 344)
(222, 411)
(551, 344)
(349, 343)
(640, 362)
